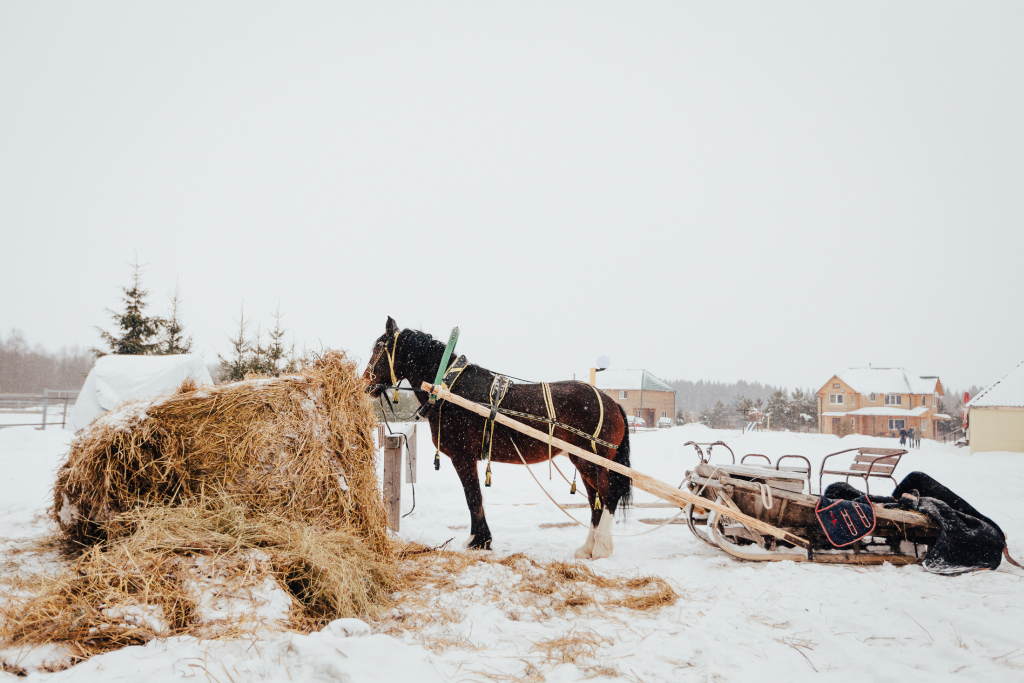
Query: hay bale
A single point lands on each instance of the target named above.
(298, 447)
(279, 470)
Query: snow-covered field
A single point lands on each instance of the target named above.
(734, 621)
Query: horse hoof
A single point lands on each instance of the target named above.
(474, 543)
(583, 554)
(600, 553)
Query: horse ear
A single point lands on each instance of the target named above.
(392, 326)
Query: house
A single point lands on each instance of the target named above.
(639, 392)
(995, 416)
(879, 402)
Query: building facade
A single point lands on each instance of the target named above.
(880, 402)
(640, 393)
(995, 417)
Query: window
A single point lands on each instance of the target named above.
(638, 413)
(896, 424)
(924, 400)
(893, 399)
(835, 386)
(835, 399)
(924, 425)
(872, 397)
(622, 393)
(664, 413)
(853, 399)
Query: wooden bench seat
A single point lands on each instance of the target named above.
(867, 464)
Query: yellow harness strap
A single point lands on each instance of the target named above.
(549, 405)
(391, 358)
(600, 419)
(453, 373)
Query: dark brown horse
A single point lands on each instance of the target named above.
(415, 356)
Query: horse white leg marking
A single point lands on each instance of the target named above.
(603, 537)
(469, 540)
(585, 550)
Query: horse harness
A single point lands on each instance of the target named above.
(499, 388)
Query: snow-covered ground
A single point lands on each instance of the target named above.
(734, 621)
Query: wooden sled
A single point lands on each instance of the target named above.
(777, 496)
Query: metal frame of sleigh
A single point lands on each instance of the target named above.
(781, 495)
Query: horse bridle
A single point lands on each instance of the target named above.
(391, 363)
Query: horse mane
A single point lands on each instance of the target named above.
(428, 340)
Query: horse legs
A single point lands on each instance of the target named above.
(586, 551)
(599, 541)
(479, 532)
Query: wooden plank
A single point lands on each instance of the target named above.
(642, 481)
(393, 478)
(883, 470)
(580, 506)
(410, 454)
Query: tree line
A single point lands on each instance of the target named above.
(25, 369)
(135, 330)
(796, 411)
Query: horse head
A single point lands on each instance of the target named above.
(380, 372)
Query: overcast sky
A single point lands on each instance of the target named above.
(771, 192)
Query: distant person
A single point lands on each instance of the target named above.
(903, 437)
(917, 436)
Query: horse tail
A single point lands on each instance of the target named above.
(621, 485)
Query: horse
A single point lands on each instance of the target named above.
(458, 433)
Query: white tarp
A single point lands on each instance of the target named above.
(116, 379)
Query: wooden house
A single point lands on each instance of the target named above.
(879, 402)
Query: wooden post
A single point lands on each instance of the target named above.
(393, 478)
(642, 481)
(410, 454)
(46, 405)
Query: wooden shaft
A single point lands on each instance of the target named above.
(640, 480)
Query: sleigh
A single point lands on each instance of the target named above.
(781, 496)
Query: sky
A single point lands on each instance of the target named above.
(720, 191)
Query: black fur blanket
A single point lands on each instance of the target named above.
(968, 540)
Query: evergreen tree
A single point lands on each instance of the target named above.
(233, 368)
(780, 409)
(705, 417)
(134, 332)
(742, 405)
(174, 340)
(719, 416)
(272, 359)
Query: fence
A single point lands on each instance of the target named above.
(17, 410)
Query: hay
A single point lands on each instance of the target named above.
(206, 496)
(300, 447)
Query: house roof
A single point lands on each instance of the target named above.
(1008, 392)
(883, 411)
(888, 381)
(630, 379)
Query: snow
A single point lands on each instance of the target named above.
(114, 380)
(734, 621)
(1008, 392)
(887, 381)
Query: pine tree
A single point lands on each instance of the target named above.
(174, 341)
(705, 417)
(233, 369)
(719, 416)
(134, 331)
(272, 359)
(780, 409)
